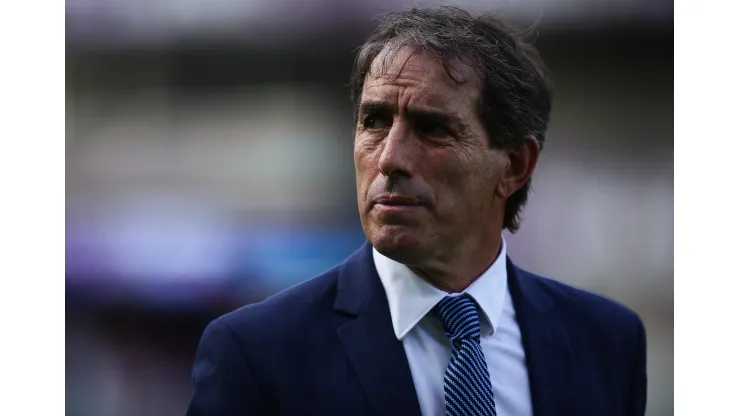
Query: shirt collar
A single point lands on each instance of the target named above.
(410, 297)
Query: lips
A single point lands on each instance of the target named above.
(396, 200)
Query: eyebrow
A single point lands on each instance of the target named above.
(439, 116)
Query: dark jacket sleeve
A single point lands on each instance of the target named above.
(223, 383)
(637, 399)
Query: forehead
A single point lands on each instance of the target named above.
(406, 77)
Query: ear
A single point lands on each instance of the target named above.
(520, 163)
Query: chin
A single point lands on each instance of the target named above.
(399, 243)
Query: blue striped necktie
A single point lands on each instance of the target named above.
(467, 384)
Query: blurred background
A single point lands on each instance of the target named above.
(209, 165)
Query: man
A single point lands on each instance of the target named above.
(431, 317)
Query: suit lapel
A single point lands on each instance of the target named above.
(546, 346)
(376, 355)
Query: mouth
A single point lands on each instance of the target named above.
(397, 203)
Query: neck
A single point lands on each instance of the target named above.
(455, 272)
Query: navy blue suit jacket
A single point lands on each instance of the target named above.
(327, 347)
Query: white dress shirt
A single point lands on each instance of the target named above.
(411, 300)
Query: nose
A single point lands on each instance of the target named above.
(400, 151)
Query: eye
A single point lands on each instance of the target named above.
(374, 122)
(431, 129)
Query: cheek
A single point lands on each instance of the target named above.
(456, 172)
(363, 165)
(365, 170)
(465, 181)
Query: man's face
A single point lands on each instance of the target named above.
(427, 180)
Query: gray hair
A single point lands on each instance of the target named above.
(515, 98)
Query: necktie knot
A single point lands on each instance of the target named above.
(460, 317)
